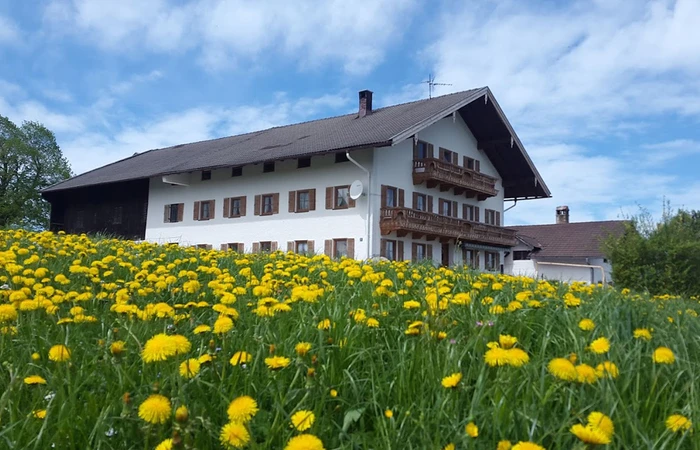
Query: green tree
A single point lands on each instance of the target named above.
(30, 160)
(659, 258)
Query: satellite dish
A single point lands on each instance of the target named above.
(356, 189)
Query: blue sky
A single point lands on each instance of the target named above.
(604, 94)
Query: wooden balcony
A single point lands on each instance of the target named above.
(434, 226)
(446, 176)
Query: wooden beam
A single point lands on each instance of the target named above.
(445, 187)
(416, 235)
(495, 142)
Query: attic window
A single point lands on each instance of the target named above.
(206, 175)
(268, 167)
(303, 162)
(237, 171)
(341, 157)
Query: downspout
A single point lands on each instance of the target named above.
(515, 202)
(369, 198)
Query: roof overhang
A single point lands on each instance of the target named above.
(497, 138)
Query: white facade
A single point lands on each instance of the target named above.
(391, 166)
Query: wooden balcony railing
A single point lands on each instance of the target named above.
(435, 172)
(435, 226)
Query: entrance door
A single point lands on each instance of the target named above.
(445, 254)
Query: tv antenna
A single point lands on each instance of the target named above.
(431, 84)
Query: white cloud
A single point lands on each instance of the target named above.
(662, 152)
(226, 32)
(31, 110)
(58, 95)
(9, 33)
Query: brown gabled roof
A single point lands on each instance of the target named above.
(576, 240)
(383, 127)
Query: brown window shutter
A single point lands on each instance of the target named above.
(384, 188)
(212, 208)
(415, 200)
(180, 211)
(328, 247)
(290, 246)
(382, 248)
(464, 162)
(310, 246)
(241, 248)
(312, 200)
(224, 247)
(351, 248)
(227, 207)
(477, 165)
(401, 198)
(430, 203)
(329, 198)
(465, 211)
(399, 251)
(166, 213)
(441, 153)
(256, 247)
(414, 250)
(273, 246)
(431, 151)
(455, 159)
(256, 208)
(498, 218)
(275, 203)
(429, 251)
(454, 209)
(415, 147)
(476, 214)
(243, 206)
(207, 247)
(351, 202)
(292, 201)
(196, 211)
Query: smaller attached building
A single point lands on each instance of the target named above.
(563, 251)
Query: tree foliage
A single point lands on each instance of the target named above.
(30, 160)
(660, 258)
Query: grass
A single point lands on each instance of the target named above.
(92, 400)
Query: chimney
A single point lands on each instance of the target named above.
(562, 214)
(365, 103)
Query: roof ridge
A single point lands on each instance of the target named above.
(568, 223)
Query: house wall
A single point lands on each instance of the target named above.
(525, 268)
(393, 166)
(317, 225)
(530, 268)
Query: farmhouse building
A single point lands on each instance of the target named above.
(420, 180)
(563, 250)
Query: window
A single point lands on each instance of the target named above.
(391, 200)
(204, 210)
(389, 249)
(301, 246)
(420, 202)
(118, 213)
(341, 195)
(446, 207)
(421, 150)
(266, 246)
(419, 252)
(268, 167)
(521, 255)
(491, 261)
(302, 201)
(267, 204)
(470, 258)
(203, 246)
(234, 207)
(492, 217)
(236, 171)
(447, 155)
(340, 248)
(173, 213)
(468, 213)
(303, 162)
(341, 158)
(205, 213)
(234, 246)
(206, 175)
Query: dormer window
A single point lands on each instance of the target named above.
(206, 175)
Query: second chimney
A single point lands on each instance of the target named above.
(562, 214)
(365, 103)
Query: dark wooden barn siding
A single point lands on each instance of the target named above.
(116, 208)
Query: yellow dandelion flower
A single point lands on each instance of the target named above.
(602, 422)
(497, 356)
(165, 445)
(234, 435)
(190, 368)
(527, 445)
(472, 430)
(34, 379)
(388, 413)
(586, 374)
(8, 313)
(600, 345)
(504, 445)
(277, 362)
(302, 348)
(242, 409)
(451, 381)
(563, 369)
(304, 442)
(117, 348)
(36, 356)
(449, 446)
(607, 367)
(586, 324)
(59, 353)
(223, 324)
(664, 355)
(642, 333)
(155, 409)
(182, 414)
(240, 358)
(372, 323)
(39, 414)
(507, 341)
(333, 393)
(677, 422)
(158, 348)
(302, 420)
(590, 435)
(411, 304)
(199, 329)
(325, 324)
